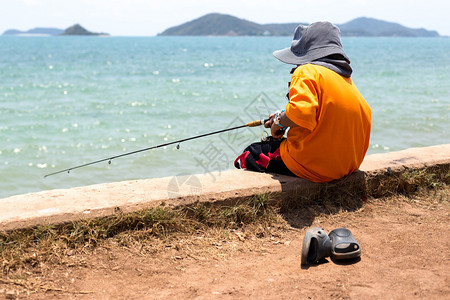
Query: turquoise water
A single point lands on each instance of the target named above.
(65, 101)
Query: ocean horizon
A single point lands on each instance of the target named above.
(66, 101)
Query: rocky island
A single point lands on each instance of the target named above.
(77, 29)
(225, 25)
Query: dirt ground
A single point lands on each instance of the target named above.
(405, 254)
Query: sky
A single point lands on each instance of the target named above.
(150, 17)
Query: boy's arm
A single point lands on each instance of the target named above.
(277, 131)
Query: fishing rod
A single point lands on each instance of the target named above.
(109, 159)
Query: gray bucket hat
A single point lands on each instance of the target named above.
(312, 42)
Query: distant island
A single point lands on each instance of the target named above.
(34, 31)
(76, 29)
(215, 24)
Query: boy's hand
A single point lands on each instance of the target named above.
(276, 131)
(269, 123)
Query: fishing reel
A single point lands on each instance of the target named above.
(266, 138)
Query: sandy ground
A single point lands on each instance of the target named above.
(405, 255)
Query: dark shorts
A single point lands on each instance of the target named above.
(263, 157)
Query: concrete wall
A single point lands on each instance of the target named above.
(59, 206)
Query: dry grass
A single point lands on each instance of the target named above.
(409, 182)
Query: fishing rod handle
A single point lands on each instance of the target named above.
(257, 123)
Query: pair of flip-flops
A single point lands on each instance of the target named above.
(340, 244)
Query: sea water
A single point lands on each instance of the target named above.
(66, 101)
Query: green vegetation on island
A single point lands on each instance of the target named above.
(77, 29)
(373, 27)
(225, 25)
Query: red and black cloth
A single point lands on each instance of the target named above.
(263, 157)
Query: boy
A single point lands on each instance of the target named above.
(328, 119)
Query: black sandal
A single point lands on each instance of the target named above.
(316, 246)
(344, 244)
